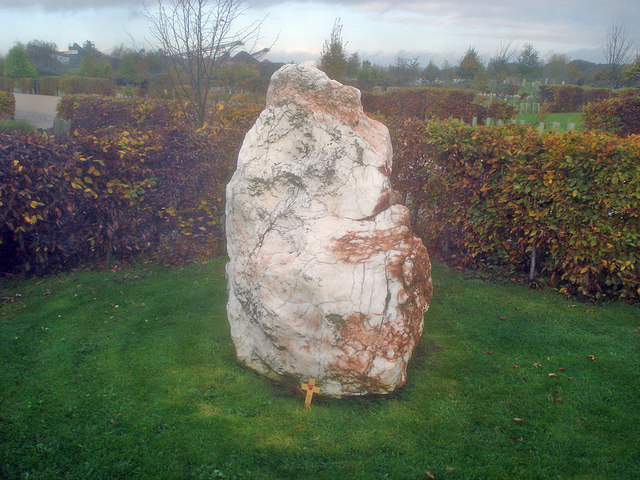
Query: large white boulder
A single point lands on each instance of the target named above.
(325, 278)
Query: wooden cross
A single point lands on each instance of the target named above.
(310, 388)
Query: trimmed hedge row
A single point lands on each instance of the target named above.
(424, 103)
(54, 85)
(92, 112)
(7, 105)
(507, 195)
(482, 195)
(111, 193)
(619, 116)
(569, 98)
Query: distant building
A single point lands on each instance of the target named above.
(70, 58)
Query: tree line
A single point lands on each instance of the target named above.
(509, 65)
(196, 41)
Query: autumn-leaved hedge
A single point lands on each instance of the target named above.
(569, 98)
(424, 103)
(54, 85)
(7, 105)
(506, 195)
(92, 112)
(117, 191)
(619, 115)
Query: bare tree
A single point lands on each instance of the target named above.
(499, 64)
(197, 36)
(617, 51)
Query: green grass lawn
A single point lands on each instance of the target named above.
(132, 375)
(564, 119)
(8, 125)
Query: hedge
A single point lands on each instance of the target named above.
(569, 98)
(501, 110)
(506, 195)
(480, 195)
(620, 116)
(108, 193)
(92, 112)
(55, 85)
(25, 85)
(424, 103)
(7, 105)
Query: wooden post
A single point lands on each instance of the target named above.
(532, 267)
(310, 388)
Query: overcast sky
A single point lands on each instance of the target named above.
(377, 30)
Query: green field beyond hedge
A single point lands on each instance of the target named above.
(132, 374)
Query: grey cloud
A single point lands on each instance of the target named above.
(69, 5)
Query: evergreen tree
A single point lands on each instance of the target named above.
(472, 70)
(430, 73)
(529, 62)
(333, 60)
(353, 65)
(470, 64)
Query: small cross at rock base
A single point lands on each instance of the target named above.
(310, 388)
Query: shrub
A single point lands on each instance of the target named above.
(424, 103)
(619, 116)
(92, 112)
(116, 192)
(7, 105)
(25, 85)
(627, 92)
(86, 85)
(561, 98)
(60, 84)
(497, 196)
(569, 98)
(501, 110)
(43, 218)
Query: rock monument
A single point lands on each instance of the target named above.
(325, 278)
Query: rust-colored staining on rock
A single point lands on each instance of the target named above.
(359, 247)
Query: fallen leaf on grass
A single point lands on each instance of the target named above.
(14, 299)
(430, 475)
(488, 352)
(518, 420)
(553, 374)
(536, 365)
(558, 400)
(562, 369)
(591, 357)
